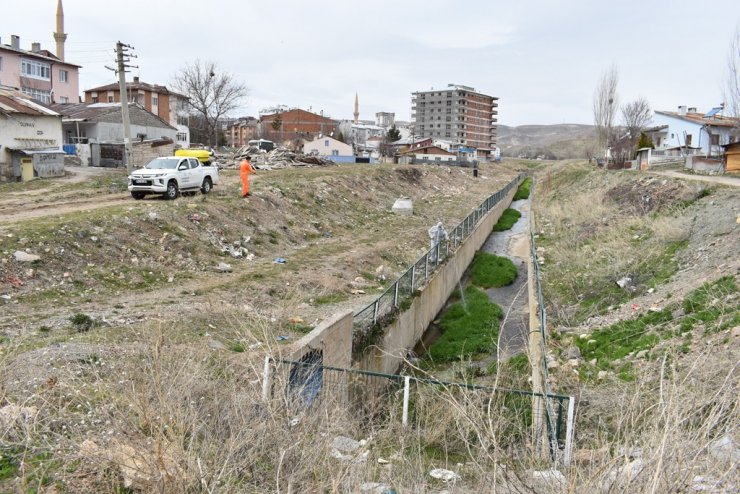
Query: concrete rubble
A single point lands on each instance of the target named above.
(276, 159)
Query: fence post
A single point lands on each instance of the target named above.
(413, 278)
(395, 296)
(266, 380)
(447, 248)
(436, 254)
(406, 388)
(375, 312)
(426, 267)
(569, 430)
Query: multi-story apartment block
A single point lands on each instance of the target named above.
(459, 114)
(41, 74)
(168, 105)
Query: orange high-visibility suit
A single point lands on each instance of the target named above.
(245, 169)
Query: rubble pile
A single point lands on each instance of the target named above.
(277, 158)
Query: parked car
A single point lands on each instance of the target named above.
(169, 176)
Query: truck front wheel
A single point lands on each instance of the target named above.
(172, 190)
(138, 195)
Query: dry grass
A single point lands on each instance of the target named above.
(588, 242)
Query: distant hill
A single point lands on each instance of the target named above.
(547, 141)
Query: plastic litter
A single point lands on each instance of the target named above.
(279, 260)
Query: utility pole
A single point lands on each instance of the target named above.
(122, 59)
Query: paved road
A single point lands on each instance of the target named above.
(724, 180)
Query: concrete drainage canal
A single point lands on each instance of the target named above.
(483, 328)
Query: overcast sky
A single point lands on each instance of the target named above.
(542, 59)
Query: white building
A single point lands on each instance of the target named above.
(691, 130)
(30, 138)
(330, 148)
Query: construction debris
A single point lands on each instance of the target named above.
(277, 158)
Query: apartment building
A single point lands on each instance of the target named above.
(168, 105)
(38, 73)
(458, 114)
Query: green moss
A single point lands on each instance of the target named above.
(490, 271)
(507, 220)
(523, 191)
(468, 327)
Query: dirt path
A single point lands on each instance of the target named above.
(701, 178)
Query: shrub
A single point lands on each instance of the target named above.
(82, 322)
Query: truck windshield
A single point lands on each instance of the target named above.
(163, 164)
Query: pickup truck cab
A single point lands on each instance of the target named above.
(171, 175)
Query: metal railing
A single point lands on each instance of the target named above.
(552, 416)
(414, 402)
(381, 311)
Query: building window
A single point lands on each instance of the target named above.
(182, 120)
(688, 140)
(110, 99)
(335, 152)
(1, 63)
(38, 94)
(63, 75)
(35, 70)
(63, 99)
(94, 99)
(182, 137)
(714, 139)
(155, 101)
(326, 143)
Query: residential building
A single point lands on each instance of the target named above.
(40, 74)
(30, 138)
(103, 122)
(170, 106)
(458, 113)
(385, 119)
(296, 124)
(242, 131)
(430, 153)
(330, 148)
(692, 131)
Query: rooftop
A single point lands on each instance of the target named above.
(13, 101)
(716, 120)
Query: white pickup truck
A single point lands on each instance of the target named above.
(171, 175)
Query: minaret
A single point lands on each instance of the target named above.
(357, 107)
(60, 36)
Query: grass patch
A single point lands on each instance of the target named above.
(523, 191)
(332, 298)
(490, 271)
(625, 337)
(708, 306)
(507, 220)
(468, 327)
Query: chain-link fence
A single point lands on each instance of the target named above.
(380, 312)
(419, 403)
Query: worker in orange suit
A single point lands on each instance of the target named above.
(245, 169)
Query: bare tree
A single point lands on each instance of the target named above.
(635, 117)
(212, 93)
(605, 104)
(732, 78)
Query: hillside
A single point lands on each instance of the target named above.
(559, 141)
